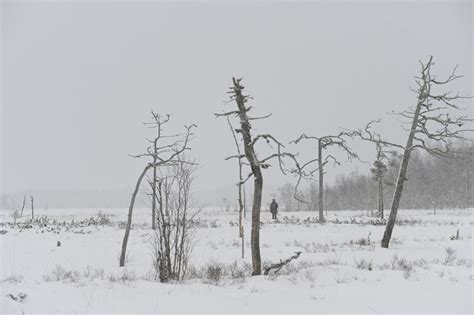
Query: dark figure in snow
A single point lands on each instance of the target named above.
(274, 209)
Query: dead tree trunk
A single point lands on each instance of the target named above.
(321, 181)
(380, 197)
(323, 143)
(129, 217)
(23, 206)
(399, 187)
(258, 178)
(153, 192)
(256, 165)
(431, 121)
(32, 209)
(397, 194)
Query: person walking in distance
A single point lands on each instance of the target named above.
(274, 209)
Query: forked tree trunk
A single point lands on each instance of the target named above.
(403, 171)
(321, 182)
(129, 218)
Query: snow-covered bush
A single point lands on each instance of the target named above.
(364, 264)
(13, 278)
(214, 272)
(450, 255)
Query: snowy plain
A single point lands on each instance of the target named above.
(342, 268)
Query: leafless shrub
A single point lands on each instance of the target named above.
(361, 242)
(364, 264)
(15, 214)
(214, 272)
(125, 276)
(317, 248)
(240, 271)
(91, 274)
(59, 273)
(450, 255)
(340, 279)
(407, 266)
(122, 225)
(309, 275)
(193, 273)
(103, 218)
(13, 278)
(172, 243)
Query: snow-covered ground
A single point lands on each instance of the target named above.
(339, 270)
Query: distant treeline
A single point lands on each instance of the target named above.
(432, 182)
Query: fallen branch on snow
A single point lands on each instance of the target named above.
(280, 265)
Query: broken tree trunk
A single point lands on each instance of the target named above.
(258, 178)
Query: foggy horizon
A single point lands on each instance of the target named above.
(79, 80)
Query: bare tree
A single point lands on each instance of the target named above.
(154, 151)
(383, 150)
(256, 164)
(432, 128)
(172, 243)
(164, 155)
(323, 143)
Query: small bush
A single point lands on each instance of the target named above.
(340, 279)
(364, 264)
(450, 256)
(214, 272)
(14, 278)
(405, 265)
(240, 272)
(126, 276)
(362, 241)
(59, 273)
(15, 214)
(103, 218)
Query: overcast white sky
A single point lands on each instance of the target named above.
(79, 78)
